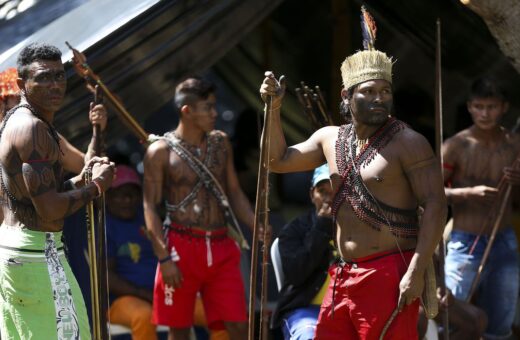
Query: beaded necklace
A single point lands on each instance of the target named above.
(401, 222)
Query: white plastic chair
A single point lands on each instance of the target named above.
(277, 263)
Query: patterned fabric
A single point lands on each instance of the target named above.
(401, 222)
(39, 296)
(67, 325)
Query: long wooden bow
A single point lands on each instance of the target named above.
(261, 220)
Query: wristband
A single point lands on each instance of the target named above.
(166, 259)
(100, 191)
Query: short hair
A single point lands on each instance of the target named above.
(192, 90)
(35, 51)
(487, 87)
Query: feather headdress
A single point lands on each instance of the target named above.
(369, 64)
(8, 85)
(368, 29)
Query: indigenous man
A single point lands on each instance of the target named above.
(381, 171)
(475, 160)
(39, 297)
(73, 160)
(197, 255)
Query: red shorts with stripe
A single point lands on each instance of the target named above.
(366, 294)
(210, 264)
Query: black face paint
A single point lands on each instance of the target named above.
(371, 113)
(371, 105)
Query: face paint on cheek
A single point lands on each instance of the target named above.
(369, 107)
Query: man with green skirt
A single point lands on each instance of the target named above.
(39, 296)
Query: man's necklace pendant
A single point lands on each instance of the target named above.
(361, 143)
(196, 208)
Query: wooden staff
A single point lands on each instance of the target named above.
(261, 220)
(97, 231)
(438, 150)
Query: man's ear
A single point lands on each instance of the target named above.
(344, 96)
(185, 110)
(21, 84)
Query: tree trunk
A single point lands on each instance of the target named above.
(503, 20)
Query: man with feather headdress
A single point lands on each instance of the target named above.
(383, 173)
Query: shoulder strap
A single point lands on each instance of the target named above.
(212, 184)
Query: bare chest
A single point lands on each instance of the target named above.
(480, 163)
(181, 172)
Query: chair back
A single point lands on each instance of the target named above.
(277, 263)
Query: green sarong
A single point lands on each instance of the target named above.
(39, 296)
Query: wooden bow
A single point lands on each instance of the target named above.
(261, 220)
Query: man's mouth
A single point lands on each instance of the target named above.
(378, 109)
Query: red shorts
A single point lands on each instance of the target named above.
(366, 294)
(210, 264)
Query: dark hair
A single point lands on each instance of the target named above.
(344, 108)
(486, 87)
(192, 90)
(35, 51)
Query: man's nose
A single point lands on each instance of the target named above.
(56, 84)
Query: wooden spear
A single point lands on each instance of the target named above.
(84, 70)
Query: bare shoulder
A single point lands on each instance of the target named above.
(156, 151)
(218, 134)
(30, 136)
(413, 149)
(23, 124)
(328, 131)
(409, 139)
(220, 140)
(326, 134)
(458, 141)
